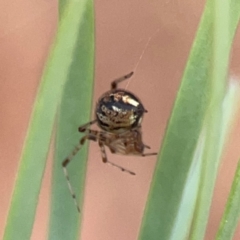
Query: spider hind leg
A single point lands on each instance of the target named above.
(148, 154)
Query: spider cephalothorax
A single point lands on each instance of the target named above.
(119, 114)
(125, 143)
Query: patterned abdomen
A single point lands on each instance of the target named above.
(118, 111)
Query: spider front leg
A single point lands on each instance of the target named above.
(84, 127)
(117, 81)
(105, 160)
(90, 136)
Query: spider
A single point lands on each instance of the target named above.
(119, 115)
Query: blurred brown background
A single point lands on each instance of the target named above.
(114, 201)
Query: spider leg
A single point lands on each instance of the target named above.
(118, 80)
(84, 127)
(146, 146)
(105, 160)
(69, 159)
(148, 154)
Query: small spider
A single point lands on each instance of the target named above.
(119, 114)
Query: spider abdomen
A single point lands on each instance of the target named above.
(119, 110)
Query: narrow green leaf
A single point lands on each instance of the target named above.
(62, 4)
(75, 110)
(25, 197)
(163, 217)
(180, 229)
(231, 214)
(222, 42)
(187, 205)
(177, 152)
(228, 106)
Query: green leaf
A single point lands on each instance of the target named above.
(170, 194)
(74, 111)
(221, 47)
(61, 6)
(177, 152)
(25, 196)
(231, 214)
